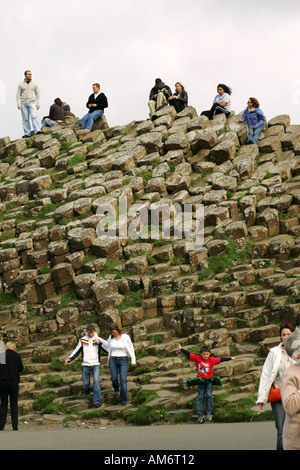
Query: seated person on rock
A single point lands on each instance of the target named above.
(255, 119)
(96, 103)
(56, 114)
(221, 103)
(180, 98)
(158, 97)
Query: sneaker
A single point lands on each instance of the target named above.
(200, 419)
(209, 417)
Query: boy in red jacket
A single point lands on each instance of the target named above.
(204, 365)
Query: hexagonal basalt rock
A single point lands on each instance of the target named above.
(63, 212)
(81, 238)
(237, 230)
(270, 219)
(103, 289)
(63, 275)
(259, 297)
(107, 247)
(216, 215)
(137, 265)
(224, 151)
(83, 283)
(281, 246)
(67, 319)
(269, 144)
(215, 196)
(152, 141)
(82, 205)
(178, 141)
(39, 184)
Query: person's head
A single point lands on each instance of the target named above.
(96, 87)
(11, 345)
(59, 102)
(90, 329)
(253, 103)
(115, 330)
(179, 87)
(158, 83)
(222, 88)
(205, 352)
(285, 331)
(28, 75)
(292, 345)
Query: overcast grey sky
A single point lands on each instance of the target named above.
(125, 44)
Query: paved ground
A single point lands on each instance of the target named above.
(179, 438)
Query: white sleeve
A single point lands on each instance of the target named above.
(104, 342)
(19, 95)
(265, 379)
(225, 97)
(130, 348)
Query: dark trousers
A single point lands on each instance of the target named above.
(215, 109)
(9, 388)
(177, 105)
(279, 415)
(118, 366)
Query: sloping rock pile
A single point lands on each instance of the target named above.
(57, 274)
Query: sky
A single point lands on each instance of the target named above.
(125, 44)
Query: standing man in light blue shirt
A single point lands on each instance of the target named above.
(28, 101)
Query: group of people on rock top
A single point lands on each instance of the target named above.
(28, 101)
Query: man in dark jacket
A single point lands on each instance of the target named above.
(158, 97)
(97, 102)
(9, 385)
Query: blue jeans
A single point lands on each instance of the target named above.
(48, 122)
(205, 392)
(86, 372)
(88, 119)
(119, 365)
(254, 134)
(29, 111)
(279, 415)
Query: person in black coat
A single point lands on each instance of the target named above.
(96, 104)
(180, 98)
(9, 385)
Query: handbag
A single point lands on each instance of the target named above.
(274, 395)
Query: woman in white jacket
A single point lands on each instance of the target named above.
(275, 364)
(120, 348)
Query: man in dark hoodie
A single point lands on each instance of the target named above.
(158, 97)
(96, 103)
(9, 385)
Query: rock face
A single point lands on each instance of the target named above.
(67, 255)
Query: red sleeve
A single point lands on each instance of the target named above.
(215, 360)
(194, 357)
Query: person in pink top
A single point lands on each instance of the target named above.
(204, 365)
